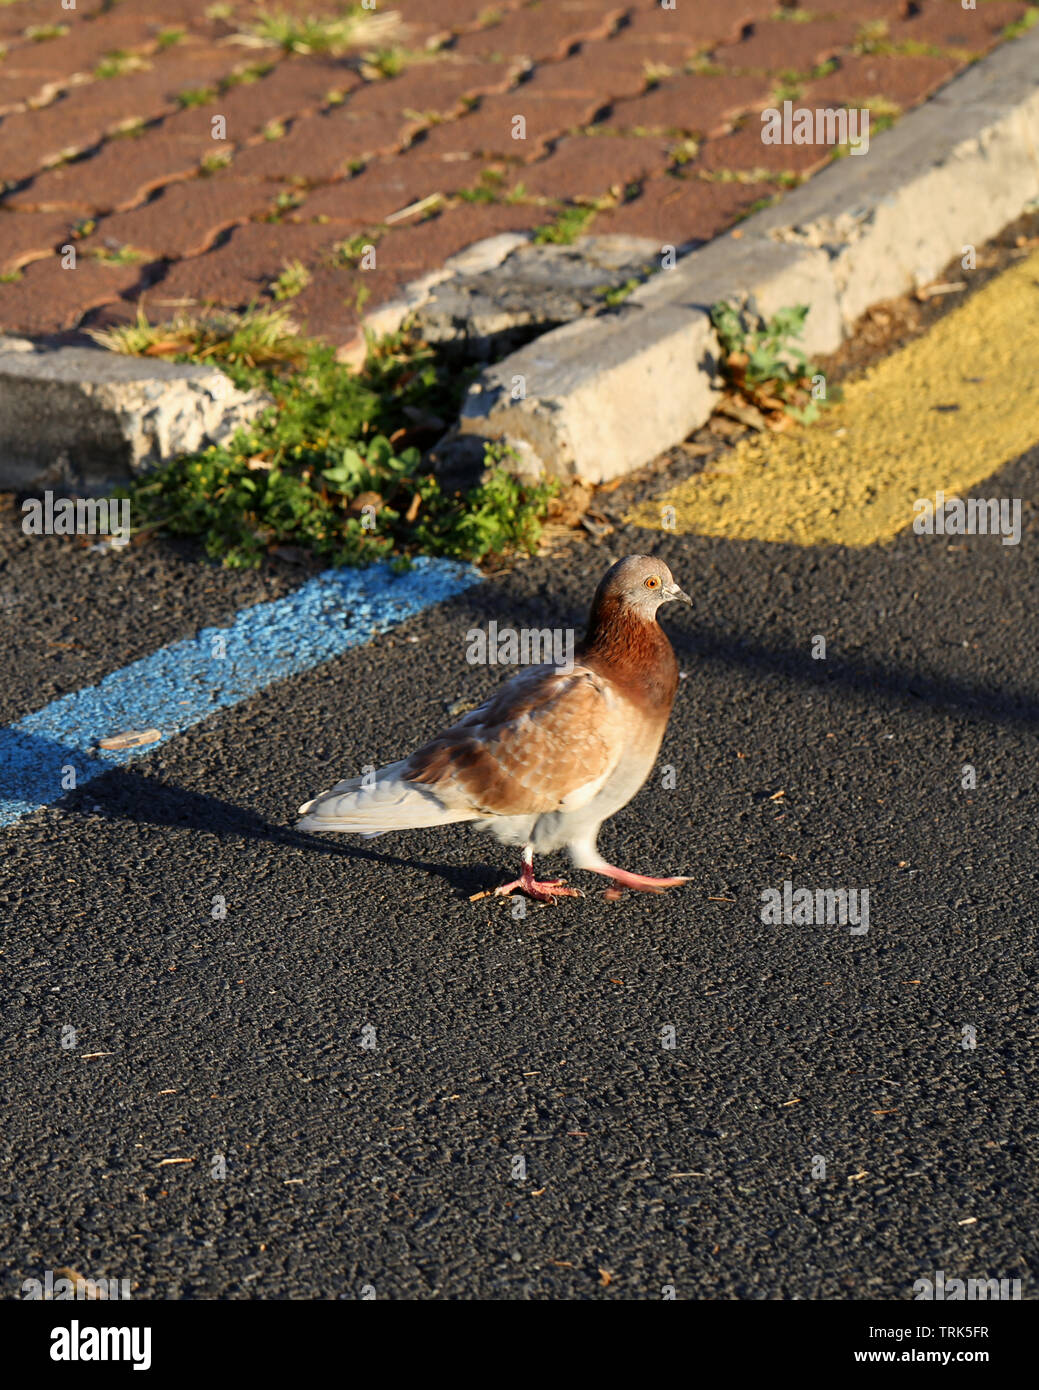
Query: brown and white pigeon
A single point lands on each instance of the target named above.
(551, 754)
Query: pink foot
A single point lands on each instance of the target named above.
(544, 891)
(640, 881)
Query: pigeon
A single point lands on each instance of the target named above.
(548, 757)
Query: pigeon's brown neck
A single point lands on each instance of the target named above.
(633, 652)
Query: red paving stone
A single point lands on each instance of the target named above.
(333, 150)
(777, 45)
(48, 299)
(119, 176)
(951, 26)
(904, 80)
(386, 187)
(678, 211)
(693, 103)
(29, 237)
(542, 33)
(577, 166)
(699, 26)
(236, 271)
(186, 218)
(745, 152)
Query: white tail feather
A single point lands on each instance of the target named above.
(386, 803)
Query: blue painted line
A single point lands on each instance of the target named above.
(182, 684)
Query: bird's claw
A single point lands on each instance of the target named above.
(545, 890)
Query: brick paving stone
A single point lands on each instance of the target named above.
(488, 130)
(438, 85)
(678, 212)
(187, 217)
(122, 173)
(78, 119)
(588, 166)
(541, 33)
(951, 26)
(693, 103)
(18, 89)
(779, 45)
(904, 80)
(744, 152)
(424, 246)
(82, 48)
(184, 14)
(863, 11)
(239, 269)
(330, 305)
(48, 299)
(30, 236)
(317, 148)
(292, 88)
(606, 69)
(693, 27)
(385, 187)
(456, 16)
(15, 18)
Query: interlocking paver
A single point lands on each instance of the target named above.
(318, 148)
(294, 87)
(514, 125)
(777, 45)
(78, 119)
(49, 299)
(950, 26)
(700, 103)
(426, 245)
(119, 176)
(186, 218)
(680, 211)
(539, 34)
(743, 151)
(236, 271)
(859, 77)
(29, 237)
(580, 166)
(656, 108)
(84, 45)
(385, 187)
(701, 25)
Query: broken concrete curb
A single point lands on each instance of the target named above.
(603, 396)
(88, 418)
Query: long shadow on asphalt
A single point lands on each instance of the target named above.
(131, 796)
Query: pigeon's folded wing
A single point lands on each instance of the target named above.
(547, 741)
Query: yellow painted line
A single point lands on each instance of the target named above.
(852, 478)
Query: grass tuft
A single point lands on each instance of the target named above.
(333, 466)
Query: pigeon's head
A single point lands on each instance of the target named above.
(639, 583)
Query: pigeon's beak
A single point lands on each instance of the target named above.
(672, 591)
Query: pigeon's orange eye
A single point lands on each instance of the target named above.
(652, 582)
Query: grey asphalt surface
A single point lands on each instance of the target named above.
(539, 1037)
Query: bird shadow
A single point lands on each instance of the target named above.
(126, 795)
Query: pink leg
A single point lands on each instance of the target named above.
(640, 881)
(545, 891)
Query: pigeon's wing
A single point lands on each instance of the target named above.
(547, 741)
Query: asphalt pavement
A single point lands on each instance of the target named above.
(350, 1076)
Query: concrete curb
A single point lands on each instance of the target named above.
(602, 396)
(88, 418)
